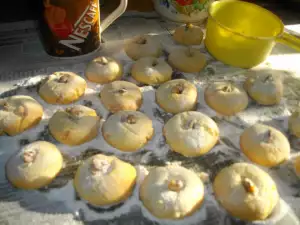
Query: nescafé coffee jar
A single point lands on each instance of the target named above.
(73, 27)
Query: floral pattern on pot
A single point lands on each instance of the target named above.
(186, 7)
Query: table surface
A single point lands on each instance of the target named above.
(22, 56)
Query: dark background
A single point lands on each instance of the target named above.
(19, 10)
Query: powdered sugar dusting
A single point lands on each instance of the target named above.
(157, 150)
(169, 199)
(196, 138)
(149, 71)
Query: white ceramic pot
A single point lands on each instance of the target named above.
(183, 11)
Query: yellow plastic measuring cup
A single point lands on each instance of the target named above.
(243, 34)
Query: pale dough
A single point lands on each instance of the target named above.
(150, 70)
(103, 70)
(177, 96)
(246, 191)
(19, 113)
(265, 89)
(128, 131)
(62, 88)
(188, 35)
(34, 166)
(143, 46)
(294, 123)
(172, 192)
(226, 98)
(104, 180)
(75, 125)
(121, 95)
(265, 145)
(191, 133)
(188, 60)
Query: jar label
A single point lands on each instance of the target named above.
(73, 27)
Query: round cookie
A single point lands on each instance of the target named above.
(104, 180)
(150, 70)
(265, 145)
(34, 166)
(188, 60)
(176, 96)
(188, 35)
(246, 191)
(121, 95)
(265, 89)
(103, 70)
(75, 125)
(297, 165)
(226, 98)
(294, 123)
(172, 192)
(142, 46)
(62, 88)
(128, 131)
(191, 134)
(19, 113)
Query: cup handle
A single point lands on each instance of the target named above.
(113, 16)
(290, 40)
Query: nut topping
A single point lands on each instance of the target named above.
(131, 119)
(228, 88)
(188, 26)
(141, 40)
(64, 78)
(175, 185)
(122, 91)
(21, 111)
(178, 89)
(192, 124)
(154, 63)
(29, 156)
(100, 166)
(268, 136)
(3, 105)
(102, 60)
(249, 186)
(73, 111)
(268, 78)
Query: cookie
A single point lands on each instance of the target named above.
(265, 89)
(176, 96)
(150, 70)
(34, 166)
(188, 60)
(296, 164)
(188, 35)
(226, 98)
(75, 125)
(191, 134)
(172, 192)
(127, 131)
(265, 145)
(121, 95)
(19, 113)
(103, 70)
(104, 180)
(294, 123)
(246, 192)
(142, 46)
(62, 88)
